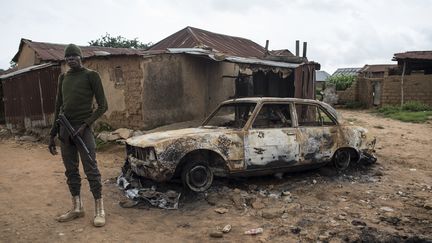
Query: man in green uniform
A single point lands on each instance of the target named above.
(76, 90)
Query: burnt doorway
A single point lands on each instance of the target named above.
(265, 84)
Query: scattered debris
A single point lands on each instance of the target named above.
(256, 231)
(216, 234)
(136, 192)
(227, 228)
(221, 210)
(387, 209)
(28, 138)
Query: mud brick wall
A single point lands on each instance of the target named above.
(122, 80)
(350, 94)
(417, 87)
(150, 91)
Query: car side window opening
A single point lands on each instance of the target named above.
(312, 115)
(273, 116)
(231, 115)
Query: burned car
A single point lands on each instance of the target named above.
(250, 136)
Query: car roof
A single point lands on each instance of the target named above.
(278, 99)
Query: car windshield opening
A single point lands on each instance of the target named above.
(231, 115)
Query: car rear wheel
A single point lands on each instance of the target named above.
(197, 176)
(341, 159)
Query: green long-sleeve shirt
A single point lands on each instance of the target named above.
(75, 92)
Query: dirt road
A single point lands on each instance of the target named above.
(388, 201)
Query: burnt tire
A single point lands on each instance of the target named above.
(197, 176)
(342, 159)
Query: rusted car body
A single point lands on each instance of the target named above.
(251, 136)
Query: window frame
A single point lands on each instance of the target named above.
(259, 108)
(320, 109)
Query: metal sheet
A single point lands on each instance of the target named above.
(191, 37)
(29, 97)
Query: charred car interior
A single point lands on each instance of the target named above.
(250, 136)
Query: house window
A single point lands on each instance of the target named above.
(118, 74)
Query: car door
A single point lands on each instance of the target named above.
(318, 133)
(271, 141)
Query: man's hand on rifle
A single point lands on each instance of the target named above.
(81, 130)
(52, 145)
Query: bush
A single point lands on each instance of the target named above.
(342, 82)
(388, 109)
(415, 106)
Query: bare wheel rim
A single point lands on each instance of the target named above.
(342, 159)
(199, 176)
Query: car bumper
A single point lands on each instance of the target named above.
(155, 170)
(367, 156)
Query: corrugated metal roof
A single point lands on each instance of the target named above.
(376, 68)
(235, 59)
(422, 55)
(191, 37)
(321, 76)
(55, 52)
(346, 71)
(27, 69)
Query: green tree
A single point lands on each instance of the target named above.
(119, 42)
(342, 82)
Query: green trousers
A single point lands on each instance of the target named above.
(71, 153)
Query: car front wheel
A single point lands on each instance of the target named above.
(341, 159)
(197, 176)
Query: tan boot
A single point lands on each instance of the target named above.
(77, 211)
(99, 219)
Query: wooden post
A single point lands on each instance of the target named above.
(402, 83)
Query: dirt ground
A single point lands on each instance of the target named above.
(389, 201)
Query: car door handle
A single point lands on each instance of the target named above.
(291, 134)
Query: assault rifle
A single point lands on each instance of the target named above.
(63, 121)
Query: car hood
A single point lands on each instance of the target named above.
(152, 139)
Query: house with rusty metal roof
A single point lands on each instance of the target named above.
(415, 61)
(182, 77)
(34, 53)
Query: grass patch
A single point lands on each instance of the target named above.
(412, 111)
(411, 116)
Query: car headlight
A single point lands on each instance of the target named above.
(144, 154)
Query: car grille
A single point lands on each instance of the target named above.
(139, 153)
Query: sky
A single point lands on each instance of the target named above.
(348, 33)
